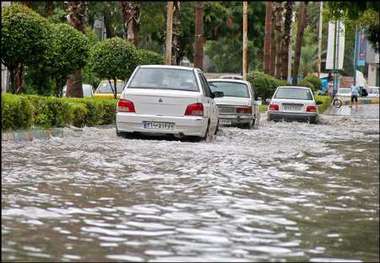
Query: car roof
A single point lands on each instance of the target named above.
(167, 67)
(292, 87)
(230, 80)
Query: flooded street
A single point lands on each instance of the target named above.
(283, 192)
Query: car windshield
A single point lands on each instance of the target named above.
(293, 93)
(230, 89)
(164, 78)
(344, 91)
(104, 87)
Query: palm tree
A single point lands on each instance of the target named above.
(285, 41)
(268, 38)
(300, 30)
(198, 54)
(76, 14)
(176, 33)
(131, 16)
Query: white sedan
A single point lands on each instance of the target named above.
(160, 99)
(293, 103)
(237, 106)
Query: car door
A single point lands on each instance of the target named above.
(208, 101)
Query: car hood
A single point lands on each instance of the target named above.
(233, 101)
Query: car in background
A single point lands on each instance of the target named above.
(88, 90)
(344, 92)
(105, 90)
(238, 106)
(293, 103)
(373, 92)
(162, 99)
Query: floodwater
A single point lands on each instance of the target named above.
(283, 192)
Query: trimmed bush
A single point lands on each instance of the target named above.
(22, 112)
(323, 102)
(148, 57)
(306, 83)
(16, 112)
(315, 81)
(263, 84)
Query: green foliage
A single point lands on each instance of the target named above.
(24, 37)
(306, 83)
(315, 81)
(113, 58)
(16, 112)
(263, 84)
(323, 102)
(26, 111)
(147, 57)
(69, 51)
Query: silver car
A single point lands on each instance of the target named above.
(293, 103)
(88, 90)
(238, 106)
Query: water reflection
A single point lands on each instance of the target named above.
(288, 191)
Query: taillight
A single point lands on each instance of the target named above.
(311, 108)
(244, 110)
(274, 107)
(125, 106)
(195, 109)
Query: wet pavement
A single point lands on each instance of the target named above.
(370, 111)
(283, 192)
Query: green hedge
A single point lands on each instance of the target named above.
(263, 84)
(312, 82)
(26, 111)
(323, 102)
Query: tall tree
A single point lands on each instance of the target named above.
(176, 49)
(76, 14)
(198, 53)
(49, 8)
(285, 40)
(131, 17)
(268, 38)
(300, 30)
(277, 37)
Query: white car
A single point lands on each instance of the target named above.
(237, 106)
(88, 90)
(344, 92)
(373, 92)
(293, 103)
(161, 99)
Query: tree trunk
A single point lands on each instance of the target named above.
(176, 31)
(300, 30)
(285, 42)
(76, 18)
(27, 3)
(49, 8)
(110, 32)
(12, 79)
(245, 39)
(19, 78)
(268, 38)
(169, 33)
(198, 52)
(131, 17)
(277, 34)
(114, 89)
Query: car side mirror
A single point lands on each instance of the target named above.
(218, 94)
(319, 102)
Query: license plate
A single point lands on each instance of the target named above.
(224, 122)
(292, 107)
(158, 125)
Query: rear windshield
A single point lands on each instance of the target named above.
(344, 91)
(104, 87)
(163, 78)
(293, 93)
(230, 89)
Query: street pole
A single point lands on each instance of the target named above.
(320, 38)
(198, 54)
(169, 33)
(245, 39)
(355, 53)
(334, 59)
